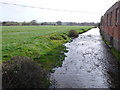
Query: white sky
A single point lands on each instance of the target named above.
(17, 13)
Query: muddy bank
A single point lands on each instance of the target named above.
(89, 64)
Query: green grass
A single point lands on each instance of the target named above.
(113, 50)
(116, 53)
(41, 43)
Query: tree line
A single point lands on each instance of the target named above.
(34, 22)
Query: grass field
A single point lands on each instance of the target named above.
(41, 43)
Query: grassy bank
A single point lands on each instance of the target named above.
(34, 41)
(113, 50)
(43, 44)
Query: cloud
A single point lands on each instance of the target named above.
(17, 13)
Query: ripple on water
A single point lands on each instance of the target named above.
(88, 64)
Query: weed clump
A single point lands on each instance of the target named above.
(58, 36)
(23, 72)
(73, 33)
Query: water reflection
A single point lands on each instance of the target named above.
(89, 64)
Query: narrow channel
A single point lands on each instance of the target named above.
(89, 64)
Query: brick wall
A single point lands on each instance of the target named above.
(109, 29)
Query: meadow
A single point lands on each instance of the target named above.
(43, 44)
(29, 53)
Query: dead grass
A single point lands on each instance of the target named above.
(73, 33)
(23, 72)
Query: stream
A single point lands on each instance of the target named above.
(88, 64)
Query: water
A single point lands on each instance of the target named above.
(89, 64)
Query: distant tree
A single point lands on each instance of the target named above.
(4, 23)
(33, 22)
(98, 25)
(26, 23)
(59, 23)
(44, 23)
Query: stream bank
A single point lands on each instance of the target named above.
(89, 64)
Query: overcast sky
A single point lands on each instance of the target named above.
(90, 10)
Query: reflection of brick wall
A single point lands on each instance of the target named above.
(109, 29)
